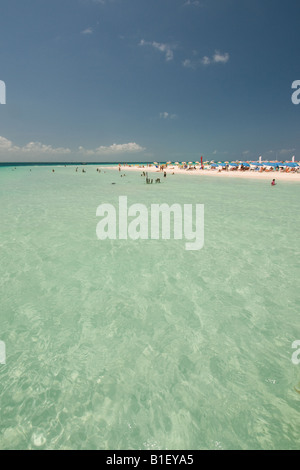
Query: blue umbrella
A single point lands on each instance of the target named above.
(290, 164)
(273, 164)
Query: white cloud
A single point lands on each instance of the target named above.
(112, 149)
(192, 2)
(218, 57)
(37, 151)
(188, 63)
(215, 152)
(162, 47)
(205, 60)
(284, 151)
(87, 31)
(32, 147)
(166, 115)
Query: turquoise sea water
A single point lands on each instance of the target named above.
(141, 344)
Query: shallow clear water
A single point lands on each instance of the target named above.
(141, 344)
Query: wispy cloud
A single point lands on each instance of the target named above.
(166, 115)
(218, 152)
(188, 63)
(192, 2)
(205, 60)
(281, 152)
(112, 149)
(167, 49)
(284, 151)
(216, 58)
(7, 146)
(40, 151)
(87, 31)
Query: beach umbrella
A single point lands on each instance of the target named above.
(273, 164)
(190, 163)
(290, 164)
(176, 163)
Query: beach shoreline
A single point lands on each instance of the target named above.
(248, 174)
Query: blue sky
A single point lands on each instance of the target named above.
(149, 80)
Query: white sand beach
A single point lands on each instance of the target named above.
(265, 175)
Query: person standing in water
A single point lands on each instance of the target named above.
(273, 182)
